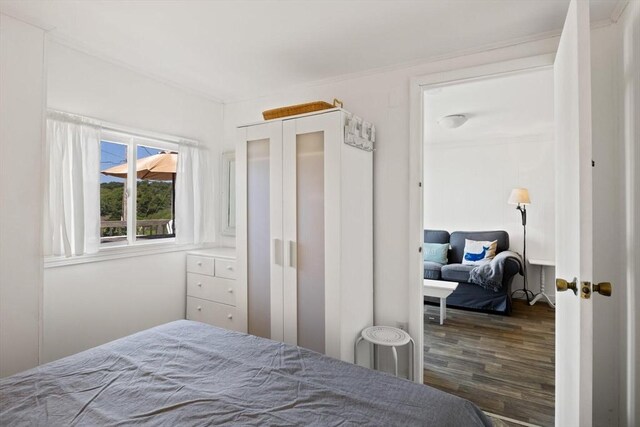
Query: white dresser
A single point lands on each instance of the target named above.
(212, 289)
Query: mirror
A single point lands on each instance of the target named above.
(229, 193)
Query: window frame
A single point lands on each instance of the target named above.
(132, 142)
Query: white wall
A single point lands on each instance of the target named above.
(466, 187)
(89, 304)
(86, 305)
(84, 84)
(383, 99)
(21, 109)
(469, 175)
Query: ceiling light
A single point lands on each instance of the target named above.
(453, 121)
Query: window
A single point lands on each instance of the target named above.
(109, 186)
(141, 208)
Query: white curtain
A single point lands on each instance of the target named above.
(72, 191)
(194, 196)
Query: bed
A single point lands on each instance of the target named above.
(189, 373)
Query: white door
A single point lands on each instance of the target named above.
(311, 212)
(574, 254)
(259, 229)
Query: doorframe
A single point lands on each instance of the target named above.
(417, 87)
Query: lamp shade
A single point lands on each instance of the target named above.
(519, 196)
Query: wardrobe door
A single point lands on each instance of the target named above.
(311, 170)
(259, 227)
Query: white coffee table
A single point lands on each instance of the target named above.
(439, 289)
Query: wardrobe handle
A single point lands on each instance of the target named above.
(277, 251)
(293, 261)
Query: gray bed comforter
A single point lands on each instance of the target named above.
(188, 373)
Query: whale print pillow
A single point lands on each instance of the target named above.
(478, 252)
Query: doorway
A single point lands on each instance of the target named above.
(471, 172)
(486, 141)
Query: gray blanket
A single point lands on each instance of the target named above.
(188, 373)
(489, 275)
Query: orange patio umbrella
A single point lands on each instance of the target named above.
(159, 167)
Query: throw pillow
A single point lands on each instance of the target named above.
(435, 252)
(478, 252)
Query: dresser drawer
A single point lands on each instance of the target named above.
(213, 313)
(211, 288)
(200, 264)
(225, 268)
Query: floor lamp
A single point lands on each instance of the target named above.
(520, 197)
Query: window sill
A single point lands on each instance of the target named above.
(119, 252)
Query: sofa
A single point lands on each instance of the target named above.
(469, 295)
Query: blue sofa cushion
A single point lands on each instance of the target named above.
(456, 272)
(432, 270)
(435, 252)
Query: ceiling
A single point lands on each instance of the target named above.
(498, 109)
(230, 50)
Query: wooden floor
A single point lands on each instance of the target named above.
(504, 364)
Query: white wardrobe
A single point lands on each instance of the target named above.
(305, 230)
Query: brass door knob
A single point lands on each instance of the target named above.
(603, 288)
(562, 285)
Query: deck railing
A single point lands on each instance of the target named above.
(145, 229)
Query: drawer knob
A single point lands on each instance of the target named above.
(200, 284)
(199, 308)
(230, 290)
(229, 268)
(229, 316)
(199, 263)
